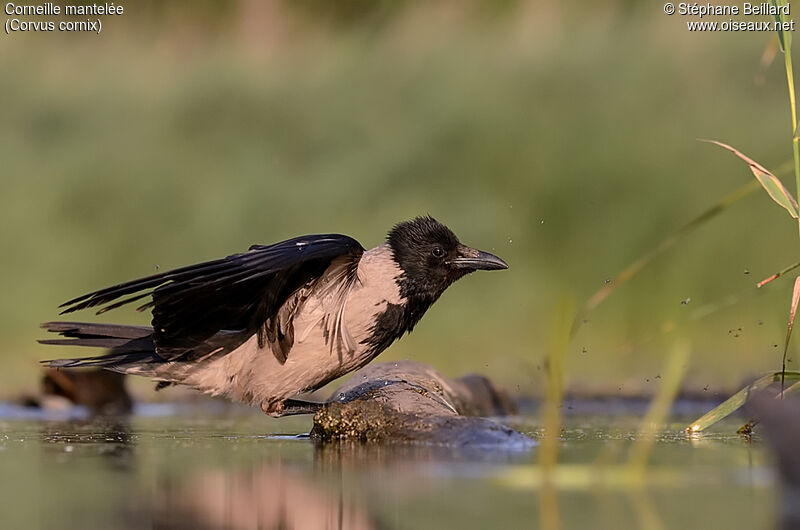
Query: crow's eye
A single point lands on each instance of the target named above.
(437, 252)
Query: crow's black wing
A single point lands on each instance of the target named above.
(233, 294)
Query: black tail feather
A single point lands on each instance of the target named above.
(131, 346)
(86, 329)
(112, 361)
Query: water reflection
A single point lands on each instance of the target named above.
(109, 437)
(330, 493)
(270, 496)
(435, 459)
(203, 472)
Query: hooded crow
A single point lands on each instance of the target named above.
(264, 326)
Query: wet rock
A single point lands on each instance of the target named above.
(481, 398)
(411, 402)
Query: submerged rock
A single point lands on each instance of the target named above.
(410, 401)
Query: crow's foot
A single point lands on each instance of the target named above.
(291, 407)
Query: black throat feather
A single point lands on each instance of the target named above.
(395, 321)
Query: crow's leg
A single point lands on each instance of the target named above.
(291, 407)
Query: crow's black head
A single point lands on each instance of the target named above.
(432, 258)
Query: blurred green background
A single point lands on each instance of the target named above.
(561, 137)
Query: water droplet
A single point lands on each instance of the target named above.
(510, 240)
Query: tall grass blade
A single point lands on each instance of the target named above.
(548, 450)
(778, 18)
(792, 389)
(733, 403)
(646, 512)
(643, 261)
(656, 416)
(790, 327)
(777, 275)
(785, 37)
(634, 268)
(769, 182)
(559, 345)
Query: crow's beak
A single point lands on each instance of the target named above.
(474, 259)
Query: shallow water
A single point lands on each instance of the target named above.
(219, 467)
